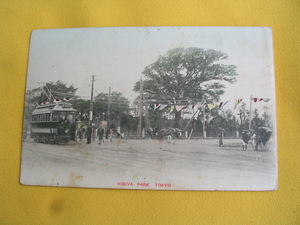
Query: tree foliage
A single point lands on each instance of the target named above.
(118, 104)
(58, 89)
(188, 73)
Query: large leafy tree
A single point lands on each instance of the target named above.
(184, 74)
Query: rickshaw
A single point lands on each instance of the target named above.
(261, 139)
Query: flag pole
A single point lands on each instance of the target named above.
(250, 113)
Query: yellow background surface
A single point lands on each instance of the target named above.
(51, 205)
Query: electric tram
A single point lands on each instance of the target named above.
(53, 123)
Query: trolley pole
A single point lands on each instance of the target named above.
(91, 103)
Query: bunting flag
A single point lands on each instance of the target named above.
(178, 108)
(261, 99)
(211, 106)
(67, 99)
(266, 99)
(162, 107)
(156, 106)
(238, 101)
(222, 104)
(57, 100)
(44, 103)
(172, 108)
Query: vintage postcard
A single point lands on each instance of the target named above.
(158, 108)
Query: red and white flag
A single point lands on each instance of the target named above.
(67, 99)
(57, 100)
(222, 104)
(156, 106)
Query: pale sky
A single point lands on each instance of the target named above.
(117, 57)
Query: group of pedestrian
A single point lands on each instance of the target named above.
(91, 132)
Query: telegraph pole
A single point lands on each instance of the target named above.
(204, 132)
(91, 103)
(147, 118)
(108, 108)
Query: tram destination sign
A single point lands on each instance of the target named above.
(155, 108)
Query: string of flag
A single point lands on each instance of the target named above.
(210, 106)
(56, 101)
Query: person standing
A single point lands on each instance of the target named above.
(100, 134)
(89, 134)
(221, 135)
(111, 134)
(79, 132)
(94, 131)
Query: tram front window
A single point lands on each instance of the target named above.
(64, 117)
(71, 117)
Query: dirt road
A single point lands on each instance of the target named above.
(150, 164)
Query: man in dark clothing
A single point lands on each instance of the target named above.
(221, 136)
(246, 137)
(89, 134)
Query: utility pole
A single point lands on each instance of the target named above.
(140, 110)
(147, 118)
(91, 103)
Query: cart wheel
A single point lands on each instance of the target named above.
(264, 147)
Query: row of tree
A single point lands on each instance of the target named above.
(181, 75)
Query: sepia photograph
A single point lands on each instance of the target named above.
(153, 108)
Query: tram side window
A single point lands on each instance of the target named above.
(55, 116)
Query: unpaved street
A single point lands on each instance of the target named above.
(150, 164)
